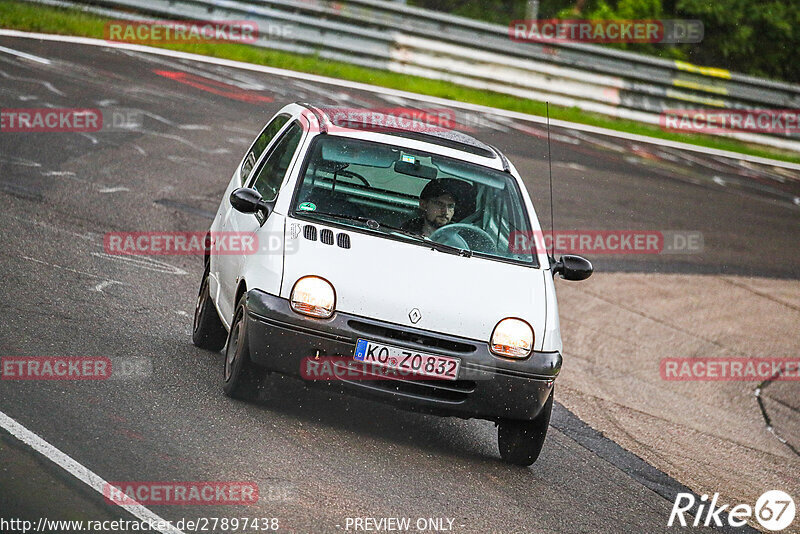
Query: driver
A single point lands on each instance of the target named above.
(437, 204)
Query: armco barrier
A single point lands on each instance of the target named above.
(409, 40)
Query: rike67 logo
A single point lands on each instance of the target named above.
(774, 511)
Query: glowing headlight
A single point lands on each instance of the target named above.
(512, 338)
(313, 296)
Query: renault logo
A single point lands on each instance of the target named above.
(415, 315)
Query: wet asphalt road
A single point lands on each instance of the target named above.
(318, 458)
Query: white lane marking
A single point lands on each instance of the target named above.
(71, 176)
(186, 142)
(82, 473)
(719, 181)
(119, 189)
(19, 161)
(339, 98)
(142, 262)
(52, 88)
(91, 138)
(84, 273)
(570, 165)
(140, 150)
(487, 121)
(104, 284)
(395, 92)
(392, 99)
(222, 77)
(182, 313)
(614, 147)
(27, 98)
(25, 55)
(48, 85)
(185, 159)
(158, 117)
(239, 140)
(88, 236)
(236, 129)
(667, 156)
(58, 173)
(542, 134)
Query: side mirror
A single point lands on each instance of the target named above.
(249, 200)
(572, 267)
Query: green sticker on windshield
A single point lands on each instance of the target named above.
(408, 159)
(307, 206)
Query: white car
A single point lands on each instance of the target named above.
(390, 249)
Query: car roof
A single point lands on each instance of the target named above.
(326, 116)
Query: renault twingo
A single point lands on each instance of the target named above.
(392, 247)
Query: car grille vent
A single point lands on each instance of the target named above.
(454, 392)
(343, 240)
(310, 232)
(326, 236)
(423, 340)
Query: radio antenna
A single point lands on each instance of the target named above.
(550, 172)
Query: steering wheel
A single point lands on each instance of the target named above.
(474, 238)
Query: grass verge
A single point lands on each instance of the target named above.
(36, 18)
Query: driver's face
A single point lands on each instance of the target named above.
(438, 211)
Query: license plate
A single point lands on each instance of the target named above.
(407, 362)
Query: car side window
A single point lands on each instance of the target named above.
(273, 169)
(262, 142)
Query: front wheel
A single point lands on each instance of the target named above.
(520, 442)
(241, 376)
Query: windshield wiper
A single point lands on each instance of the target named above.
(372, 224)
(441, 247)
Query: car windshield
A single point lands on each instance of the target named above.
(413, 195)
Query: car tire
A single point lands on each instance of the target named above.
(241, 377)
(520, 442)
(208, 332)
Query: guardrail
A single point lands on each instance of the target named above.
(414, 41)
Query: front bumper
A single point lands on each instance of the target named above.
(488, 387)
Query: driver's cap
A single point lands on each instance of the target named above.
(437, 188)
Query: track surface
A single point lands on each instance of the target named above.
(317, 458)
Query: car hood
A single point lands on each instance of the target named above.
(385, 279)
